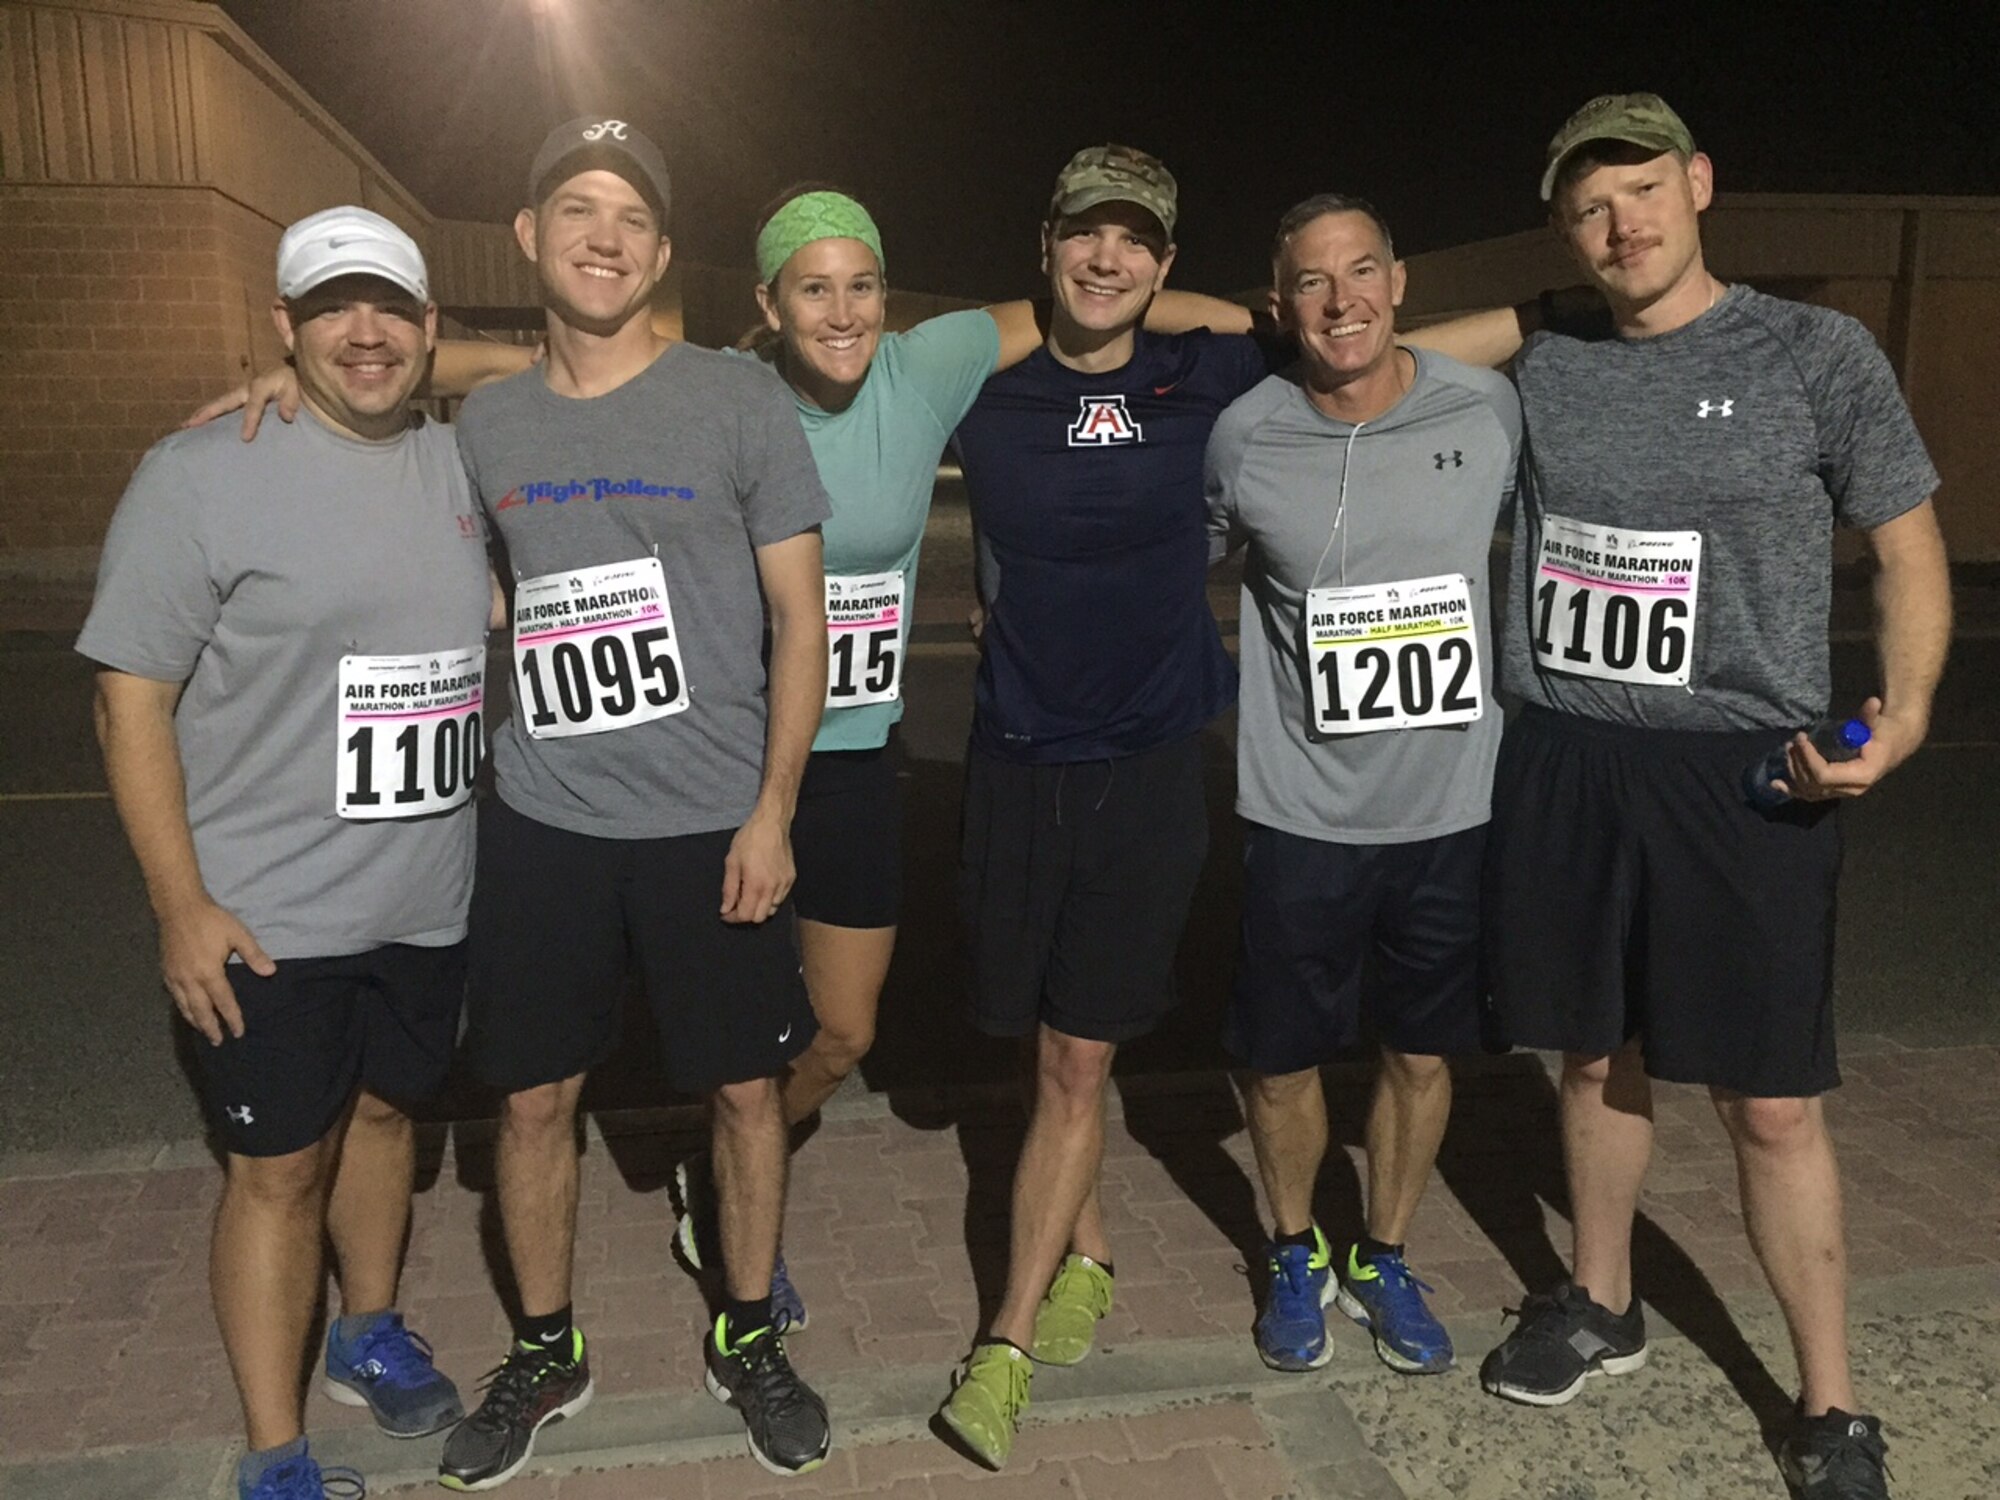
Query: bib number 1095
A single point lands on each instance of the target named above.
(595, 650)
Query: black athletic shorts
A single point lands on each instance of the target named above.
(555, 915)
(847, 838)
(317, 1030)
(1075, 882)
(1332, 929)
(1631, 891)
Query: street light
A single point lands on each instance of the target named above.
(552, 102)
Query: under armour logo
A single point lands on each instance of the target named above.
(614, 128)
(1456, 458)
(1102, 422)
(240, 1113)
(1716, 408)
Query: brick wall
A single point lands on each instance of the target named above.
(119, 312)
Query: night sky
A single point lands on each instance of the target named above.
(951, 118)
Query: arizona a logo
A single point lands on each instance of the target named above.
(1102, 422)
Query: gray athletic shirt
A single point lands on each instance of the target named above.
(1426, 481)
(699, 460)
(1760, 424)
(247, 571)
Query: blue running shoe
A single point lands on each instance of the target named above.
(788, 1308)
(301, 1478)
(1383, 1297)
(1291, 1330)
(388, 1369)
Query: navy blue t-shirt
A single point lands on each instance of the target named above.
(1093, 532)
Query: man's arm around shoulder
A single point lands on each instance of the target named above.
(135, 727)
(758, 874)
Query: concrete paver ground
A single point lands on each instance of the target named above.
(112, 1382)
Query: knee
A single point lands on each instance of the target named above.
(1774, 1125)
(1586, 1072)
(841, 1045)
(1071, 1070)
(539, 1112)
(741, 1105)
(1281, 1092)
(294, 1180)
(1414, 1070)
(372, 1112)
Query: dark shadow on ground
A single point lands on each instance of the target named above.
(1502, 1158)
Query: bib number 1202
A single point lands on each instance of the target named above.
(1411, 683)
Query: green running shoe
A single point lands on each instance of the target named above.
(986, 1404)
(1066, 1322)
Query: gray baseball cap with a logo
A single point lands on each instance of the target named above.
(1640, 119)
(594, 141)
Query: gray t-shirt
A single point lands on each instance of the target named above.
(1426, 481)
(697, 461)
(1760, 424)
(248, 571)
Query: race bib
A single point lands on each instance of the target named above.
(595, 650)
(1616, 604)
(410, 733)
(864, 633)
(1392, 656)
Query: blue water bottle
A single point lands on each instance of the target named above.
(1835, 739)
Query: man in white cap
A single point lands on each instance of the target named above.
(291, 643)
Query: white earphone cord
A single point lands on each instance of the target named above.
(1339, 516)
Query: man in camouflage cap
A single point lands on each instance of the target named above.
(1085, 822)
(1687, 477)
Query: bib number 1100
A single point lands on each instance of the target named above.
(418, 772)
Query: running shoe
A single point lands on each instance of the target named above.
(1563, 1338)
(1291, 1330)
(530, 1389)
(387, 1368)
(697, 1225)
(783, 1417)
(698, 1237)
(301, 1478)
(988, 1396)
(1839, 1456)
(1066, 1322)
(1382, 1296)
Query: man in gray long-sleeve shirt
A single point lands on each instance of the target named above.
(1366, 483)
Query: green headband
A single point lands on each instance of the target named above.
(809, 217)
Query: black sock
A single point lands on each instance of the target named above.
(550, 1331)
(1305, 1239)
(740, 1318)
(1368, 1248)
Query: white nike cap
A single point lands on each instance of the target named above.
(348, 241)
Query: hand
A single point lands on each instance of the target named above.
(280, 383)
(1892, 740)
(758, 874)
(195, 944)
(975, 621)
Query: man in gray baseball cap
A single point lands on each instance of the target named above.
(269, 617)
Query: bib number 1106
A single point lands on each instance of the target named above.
(1616, 605)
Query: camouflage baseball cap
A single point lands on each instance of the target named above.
(1116, 174)
(1642, 119)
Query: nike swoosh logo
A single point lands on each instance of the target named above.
(785, 1035)
(1161, 390)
